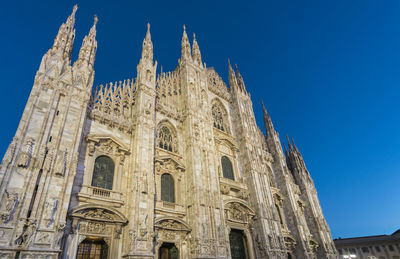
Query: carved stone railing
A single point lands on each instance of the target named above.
(100, 194)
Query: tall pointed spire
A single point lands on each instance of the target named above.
(269, 127)
(146, 70)
(232, 76)
(147, 49)
(185, 52)
(196, 51)
(88, 49)
(240, 79)
(64, 40)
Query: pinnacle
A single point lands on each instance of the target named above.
(95, 20)
(74, 9)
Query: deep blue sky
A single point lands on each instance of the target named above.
(328, 72)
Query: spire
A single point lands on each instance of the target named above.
(147, 50)
(146, 70)
(240, 79)
(196, 55)
(289, 144)
(64, 40)
(87, 52)
(269, 127)
(232, 76)
(185, 46)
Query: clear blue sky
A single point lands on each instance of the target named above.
(328, 72)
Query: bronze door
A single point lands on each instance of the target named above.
(168, 251)
(92, 249)
(237, 242)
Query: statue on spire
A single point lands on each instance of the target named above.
(196, 55)
(185, 45)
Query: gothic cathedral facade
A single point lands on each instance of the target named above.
(169, 165)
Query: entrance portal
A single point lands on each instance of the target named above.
(238, 244)
(92, 249)
(168, 251)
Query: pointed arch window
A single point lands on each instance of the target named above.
(103, 172)
(165, 139)
(167, 188)
(218, 117)
(227, 169)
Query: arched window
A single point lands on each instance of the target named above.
(103, 172)
(165, 140)
(167, 188)
(218, 117)
(227, 170)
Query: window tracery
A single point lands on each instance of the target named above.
(218, 117)
(166, 139)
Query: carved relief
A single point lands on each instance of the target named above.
(112, 105)
(25, 237)
(9, 207)
(26, 154)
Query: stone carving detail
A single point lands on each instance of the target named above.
(216, 85)
(60, 232)
(50, 212)
(169, 95)
(96, 227)
(26, 155)
(107, 145)
(98, 214)
(166, 139)
(62, 161)
(10, 206)
(25, 238)
(8, 157)
(112, 104)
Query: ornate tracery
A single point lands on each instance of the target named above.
(166, 139)
(218, 117)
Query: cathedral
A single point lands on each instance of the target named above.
(165, 166)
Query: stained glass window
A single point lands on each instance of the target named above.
(218, 117)
(227, 169)
(167, 188)
(165, 138)
(103, 173)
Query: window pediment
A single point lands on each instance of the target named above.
(168, 164)
(99, 213)
(172, 223)
(107, 144)
(227, 142)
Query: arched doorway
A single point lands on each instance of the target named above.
(92, 249)
(237, 242)
(168, 251)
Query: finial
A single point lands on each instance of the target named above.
(74, 9)
(95, 20)
(148, 27)
(194, 36)
(184, 28)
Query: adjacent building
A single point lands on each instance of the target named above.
(168, 165)
(370, 247)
